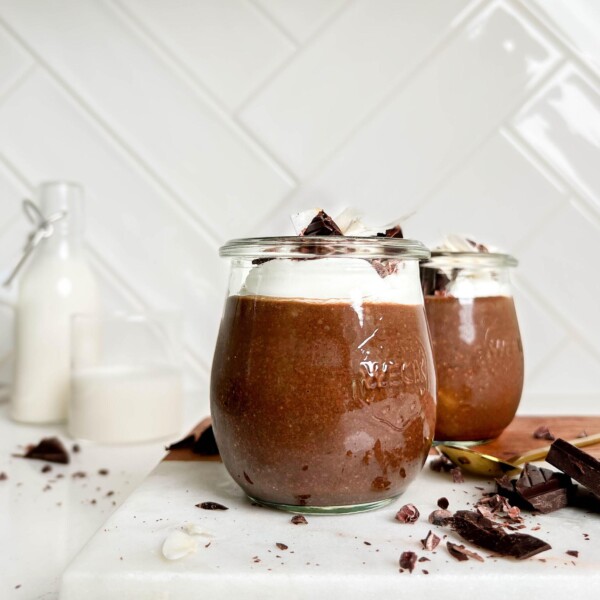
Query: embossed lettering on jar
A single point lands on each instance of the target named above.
(476, 342)
(323, 387)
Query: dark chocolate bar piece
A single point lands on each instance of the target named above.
(576, 463)
(49, 449)
(206, 443)
(183, 444)
(483, 532)
(543, 489)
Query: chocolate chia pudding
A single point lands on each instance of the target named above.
(476, 344)
(323, 386)
(308, 410)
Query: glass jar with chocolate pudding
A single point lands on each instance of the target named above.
(476, 344)
(323, 384)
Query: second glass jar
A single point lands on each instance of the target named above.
(476, 343)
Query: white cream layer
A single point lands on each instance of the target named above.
(350, 279)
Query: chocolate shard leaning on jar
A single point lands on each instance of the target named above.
(206, 444)
(576, 463)
(483, 532)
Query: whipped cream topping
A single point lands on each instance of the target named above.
(350, 279)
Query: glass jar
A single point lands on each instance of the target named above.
(476, 344)
(323, 385)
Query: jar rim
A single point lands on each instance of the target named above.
(325, 246)
(448, 258)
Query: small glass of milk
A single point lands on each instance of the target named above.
(126, 377)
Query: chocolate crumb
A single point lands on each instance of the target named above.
(281, 546)
(443, 503)
(367, 543)
(582, 434)
(49, 449)
(299, 520)
(408, 560)
(425, 571)
(424, 559)
(543, 433)
(574, 553)
(79, 475)
(46, 469)
(3, 476)
(431, 541)
(76, 448)
(457, 475)
(109, 493)
(183, 444)
(407, 514)
(103, 471)
(211, 506)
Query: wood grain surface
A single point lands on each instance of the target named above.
(516, 439)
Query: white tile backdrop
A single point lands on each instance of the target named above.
(194, 121)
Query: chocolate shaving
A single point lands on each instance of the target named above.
(574, 553)
(408, 560)
(431, 541)
(457, 475)
(482, 532)
(408, 514)
(321, 225)
(299, 520)
(206, 445)
(543, 433)
(441, 463)
(281, 546)
(461, 553)
(576, 463)
(211, 506)
(183, 444)
(50, 450)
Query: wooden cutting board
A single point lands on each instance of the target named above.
(516, 439)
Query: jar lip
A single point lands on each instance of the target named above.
(449, 258)
(325, 246)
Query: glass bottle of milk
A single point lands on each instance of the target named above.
(56, 283)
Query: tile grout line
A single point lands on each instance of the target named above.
(99, 260)
(465, 17)
(559, 317)
(167, 56)
(267, 17)
(204, 228)
(334, 16)
(557, 37)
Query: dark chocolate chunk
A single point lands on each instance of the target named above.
(299, 520)
(206, 444)
(441, 463)
(431, 541)
(576, 463)
(443, 503)
(408, 560)
(394, 232)
(183, 444)
(542, 489)
(211, 506)
(322, 224)
(49, 449)
(574, 553)
(281, 546)
(485, 533)
(543, 433)
(407, 514)
(440, 517)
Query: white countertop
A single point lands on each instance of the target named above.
(43, 531)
